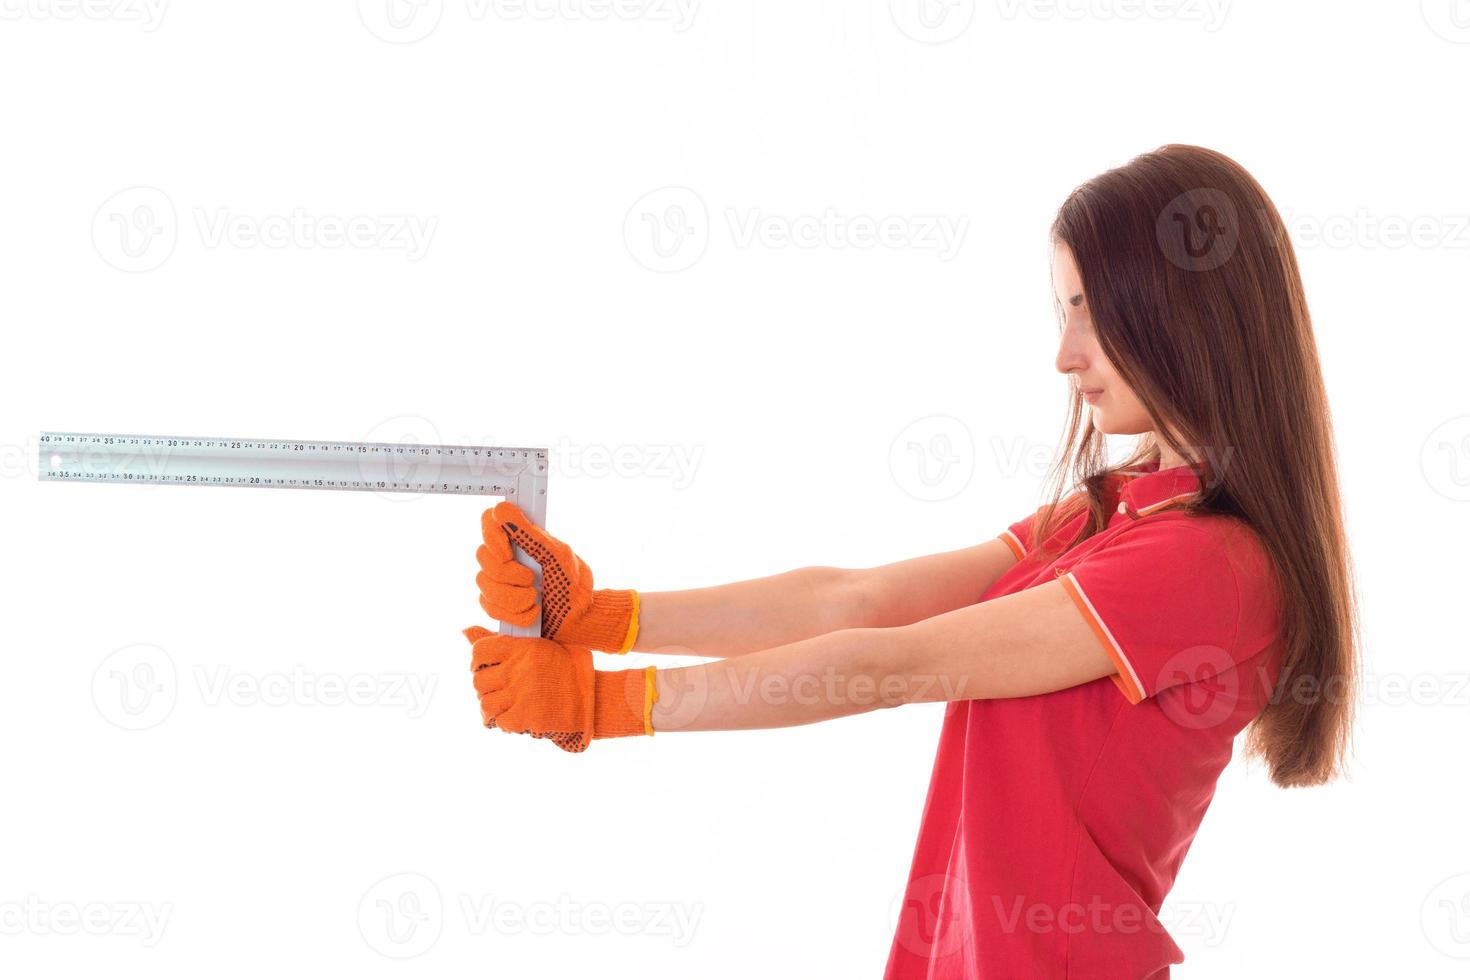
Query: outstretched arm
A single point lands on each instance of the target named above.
(781, 610)
(722, 620)
(1030, 642)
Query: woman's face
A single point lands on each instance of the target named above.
(1115, 409)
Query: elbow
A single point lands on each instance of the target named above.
(841, 597)
(904, 670)
(891, 671)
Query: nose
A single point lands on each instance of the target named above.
(1071, 358)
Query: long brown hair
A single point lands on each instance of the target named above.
(1196, 299)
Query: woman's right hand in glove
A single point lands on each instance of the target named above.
(572, 611)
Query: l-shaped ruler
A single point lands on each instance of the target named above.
(514, 473)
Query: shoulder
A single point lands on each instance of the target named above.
(1191, 541)
(1068, 507)
(1175, 596)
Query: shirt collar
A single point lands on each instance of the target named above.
(1147, 488)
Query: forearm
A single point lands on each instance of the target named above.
(842, 673)
(1026, 643)
(754, 614)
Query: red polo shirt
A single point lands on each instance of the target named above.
(1055, 825)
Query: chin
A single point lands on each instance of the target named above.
(1105, 423)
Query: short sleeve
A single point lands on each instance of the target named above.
(1018, 535)
(1166, 599)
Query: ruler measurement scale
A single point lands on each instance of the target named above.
(514, 473)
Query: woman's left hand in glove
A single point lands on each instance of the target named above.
(547, 689)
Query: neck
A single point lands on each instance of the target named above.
(1168, 459)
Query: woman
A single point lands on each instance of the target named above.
(1121, 637)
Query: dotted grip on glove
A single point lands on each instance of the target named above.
(571, 610)
(556, 586)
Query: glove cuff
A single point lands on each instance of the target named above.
(623, 702)
(610, 622)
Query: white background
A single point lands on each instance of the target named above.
(172, 178)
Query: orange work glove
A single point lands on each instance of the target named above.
(571, 611)
(549, 690)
